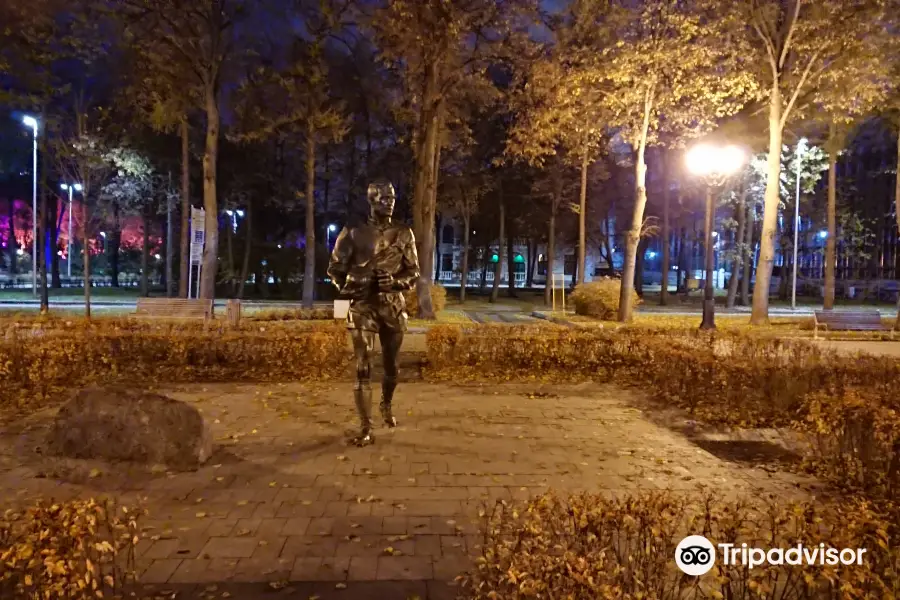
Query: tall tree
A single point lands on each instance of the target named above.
(438, 47)
(559, 109)
(193, 42)
(796, 49)
(668, 67)
(298, 100)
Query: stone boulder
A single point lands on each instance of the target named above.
(117, 423)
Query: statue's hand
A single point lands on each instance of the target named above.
(385, 281)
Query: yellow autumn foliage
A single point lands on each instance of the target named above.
(38, 364)
(76, 550)
(621, 547)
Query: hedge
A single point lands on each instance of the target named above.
(594, 546)
(36, 365)
(848, 407)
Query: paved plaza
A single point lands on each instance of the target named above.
(285, 509)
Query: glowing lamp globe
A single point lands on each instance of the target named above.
(710, 160)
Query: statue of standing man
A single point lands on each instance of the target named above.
(372, 265)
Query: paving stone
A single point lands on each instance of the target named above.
(230, 547)
(417, 568)
(282, 504)
(320, 569)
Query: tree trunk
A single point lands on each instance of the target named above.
(423, 194)
(56, 282)
(185, 263)
(582, 216)
(170, 242)
(232, 269)
(831, 240)
(438, 240)
(551, 234)
(633, 236)
(12, 243)
(309, 269)
(760, 313)
(498, 267)
(210, 201)
(897, 215)
(666, 242)
(510, 261)
(741, 218)
(145, 254)
(248, 244)
(747, 254)
(467, 224)
(530, 267)
(44, 247)
(639, 266)
(112, 246)
(484, 268)
(86, 236)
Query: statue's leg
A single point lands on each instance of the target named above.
(391, 340)
(363, 343)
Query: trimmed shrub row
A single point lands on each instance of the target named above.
(72, 550)
(593, 546)
(37, 365)
(848, 407)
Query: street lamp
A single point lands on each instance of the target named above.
(714, 164)
(75, 187)
(103, 235)
(32, 122)
(235, 215)
(801, 145)
(331, 229)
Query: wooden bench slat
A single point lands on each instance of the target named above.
(849, 321)
(181, 308)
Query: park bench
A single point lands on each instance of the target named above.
(849, 321)
(174, 308)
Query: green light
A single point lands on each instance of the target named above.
(518, 259)
(494, 258)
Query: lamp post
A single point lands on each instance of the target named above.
(32, 122)
(801, 145)
(235, 215)
(714, 164)
(75, 187)
(331, 229)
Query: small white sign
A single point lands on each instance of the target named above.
(198, 219)
(341, 309)
(198, 234)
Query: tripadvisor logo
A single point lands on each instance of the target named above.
(696, 555)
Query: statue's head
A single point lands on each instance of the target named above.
(381, 198)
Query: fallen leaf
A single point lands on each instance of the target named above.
(200, 515)
(340, 586)
(94, 473)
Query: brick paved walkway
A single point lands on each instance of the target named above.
(285, 500)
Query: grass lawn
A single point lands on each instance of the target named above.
(103, 294)
(778, 326)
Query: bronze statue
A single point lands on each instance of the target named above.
(372, 265)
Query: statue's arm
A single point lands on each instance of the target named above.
(339, 265)
(409, 265)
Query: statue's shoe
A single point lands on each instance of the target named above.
(363, 439)
(388, 415)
